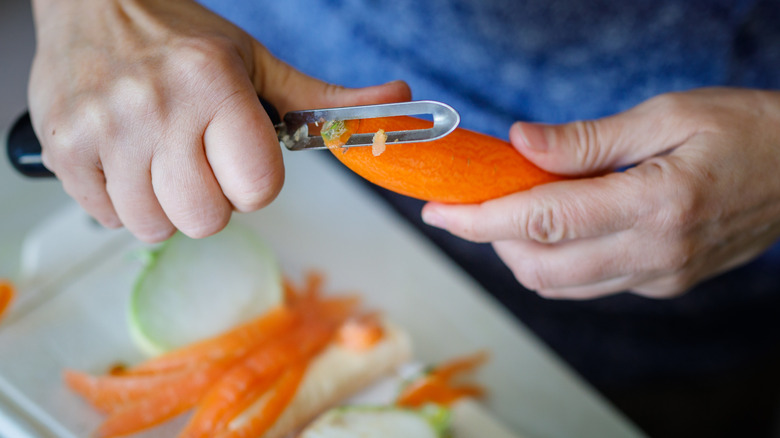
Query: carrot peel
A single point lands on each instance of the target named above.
(438, 384)
(7, 293)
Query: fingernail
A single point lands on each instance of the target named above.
(433, 219)
(531, 135)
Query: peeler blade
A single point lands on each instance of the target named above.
(294, 133)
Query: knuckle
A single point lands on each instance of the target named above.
(253, 194)
(681, 203)
(587, 143)
(203, 56)
(68, 141)
(677, 257)
(137, 97)
(543, 223)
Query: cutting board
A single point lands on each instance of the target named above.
(76, 278)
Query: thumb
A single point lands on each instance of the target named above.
(594, 146)
(288, 89)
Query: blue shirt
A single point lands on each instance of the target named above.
(498, 61)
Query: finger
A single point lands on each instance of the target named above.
(288, 89)
(577, 264)
(657, 288)
(549, 213)
(129, 184)
(590, 291)
(187, 190)
(87, 185)
(243, 151)
(593, 146)
(72, 157)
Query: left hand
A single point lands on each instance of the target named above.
(703, 198)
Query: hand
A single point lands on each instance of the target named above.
(147, 111)
(703, 198)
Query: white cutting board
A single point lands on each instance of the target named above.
(77, 277)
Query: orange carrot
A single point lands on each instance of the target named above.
(463, 167)
(361, 333)
(454, 367)
(225, 375)
(7, 293)
(160, 405)
(437, 385)
(232, 344)
(112, 392)
(251, 378)
(283, 393)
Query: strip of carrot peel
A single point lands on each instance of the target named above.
(283, 393)
(251, 378)
(438, 386)
(7, 294)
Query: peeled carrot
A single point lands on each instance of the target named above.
(223, 376)
(7, 293)
(438, 386)
(247, 381)
(361, 333)
(112, 392)
(229, 345)
(283, 393)
(463, 167)
(160, 405)
(454, 367)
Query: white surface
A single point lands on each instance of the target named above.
(22, 202)
(322, 220)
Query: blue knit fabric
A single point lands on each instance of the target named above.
(498, 61)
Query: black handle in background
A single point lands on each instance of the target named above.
(24, 149)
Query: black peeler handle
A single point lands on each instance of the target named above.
(24, 149)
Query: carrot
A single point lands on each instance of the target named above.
(232, 344)
(7, 293)
(361, 333)
(251, 378)
(437, 385)
(283, 393)
(225, 376)
(463, 167)
(160, 405)
(454, 367)
(112, 392)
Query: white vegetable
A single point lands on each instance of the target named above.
(192, 289)
(380, 422)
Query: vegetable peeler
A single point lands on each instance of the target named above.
(296, 131)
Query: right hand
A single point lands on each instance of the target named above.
(147, 112)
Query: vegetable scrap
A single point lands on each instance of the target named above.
(7, 294)
(439, 384)
(379, 142)
(222, 378)
(336, 133)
